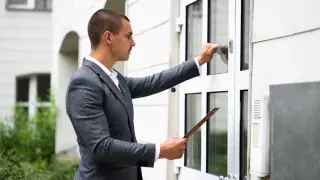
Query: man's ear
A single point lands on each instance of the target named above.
(107, 37)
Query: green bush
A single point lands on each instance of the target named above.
(27, 147)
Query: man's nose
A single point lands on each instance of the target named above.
(133, 43)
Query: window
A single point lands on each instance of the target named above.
(22, 92)
(243, 133)
(217, 135)
(194, 30)
(42, 5)
(245, 25)
(32, 92)
(218, 20)
(193, 116)
(193, 101)
(43, 87)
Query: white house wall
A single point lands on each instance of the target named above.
(25, 48)
(69, 16)
(286, 37)
(285, 44)
(151, 54)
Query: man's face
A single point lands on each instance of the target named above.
(123, 42)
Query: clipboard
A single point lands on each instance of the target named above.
(199, 124)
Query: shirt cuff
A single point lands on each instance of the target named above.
(198, 65)
(157, 152)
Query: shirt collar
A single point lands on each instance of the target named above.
(106, 70)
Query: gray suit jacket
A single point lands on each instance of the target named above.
(102, 117)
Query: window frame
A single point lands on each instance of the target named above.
(32, 103)
(29, 6)
(233, 81)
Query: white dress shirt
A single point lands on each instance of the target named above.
(113, 75)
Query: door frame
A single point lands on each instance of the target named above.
(233, 81)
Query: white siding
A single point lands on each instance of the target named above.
(285, 44)
(286, 37)
(151, 54)
(25, 47)
(274, 18)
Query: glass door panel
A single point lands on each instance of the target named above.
(210, 151)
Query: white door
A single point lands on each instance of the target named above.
(217, 150)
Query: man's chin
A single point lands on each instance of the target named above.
(124, 59)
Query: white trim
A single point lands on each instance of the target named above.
(203, 92)
(17, 6)
(24, 104)
(241, 83)
(211, 83)
(31, 4)
(187, 2)
(188, 173)
(32, 95)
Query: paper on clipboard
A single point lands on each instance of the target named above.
(199, 124)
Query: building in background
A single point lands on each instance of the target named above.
(25, 53)
(270, 43)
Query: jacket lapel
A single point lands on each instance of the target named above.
(123, 96)
(127, 94)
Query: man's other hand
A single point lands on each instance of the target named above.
(207, 52)
(173, 148)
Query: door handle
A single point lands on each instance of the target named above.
(231, 46)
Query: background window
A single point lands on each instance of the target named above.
(193, 116)
(217, 135)
(43, 4)
(194, 30)
(30, 4)
(218, 19)
(22, 93)
(22, 85)
(29, 88)
(43, 87)
(243, 133)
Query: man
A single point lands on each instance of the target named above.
(99, 103)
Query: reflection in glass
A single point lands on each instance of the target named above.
(193, 116)
(24, 2)
(243, 134)
(43, 87)
(194, 29)
(217, 136)
(245, 17)
(43, 4)
(22, 89)
(218, 33)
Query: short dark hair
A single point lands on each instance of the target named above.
(104, 20)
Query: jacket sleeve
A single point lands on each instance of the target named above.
(145, 86)
(85, 109)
